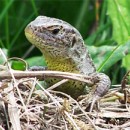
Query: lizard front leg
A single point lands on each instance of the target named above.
(99, 89)
(103, 83)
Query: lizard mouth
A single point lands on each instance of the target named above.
(33, 38)
(29, 33)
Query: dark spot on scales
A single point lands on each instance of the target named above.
(73, 41)
(72, 31)
(77, 53)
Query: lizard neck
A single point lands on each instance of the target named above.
(76, 60)
(61, 64)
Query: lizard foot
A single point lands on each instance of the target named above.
(101, 87)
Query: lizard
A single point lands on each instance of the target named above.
(64, 50)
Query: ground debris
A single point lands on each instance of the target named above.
(24, 107)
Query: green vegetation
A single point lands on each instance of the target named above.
(104, 26)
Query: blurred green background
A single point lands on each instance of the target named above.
(104, 25)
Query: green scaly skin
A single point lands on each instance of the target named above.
(64, 50)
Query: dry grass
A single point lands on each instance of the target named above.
(25, 107)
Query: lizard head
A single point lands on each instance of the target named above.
(51, 34)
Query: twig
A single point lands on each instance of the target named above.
(48, 74)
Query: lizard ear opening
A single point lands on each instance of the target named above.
(73, 41)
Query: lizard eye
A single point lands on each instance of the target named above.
(55, 31)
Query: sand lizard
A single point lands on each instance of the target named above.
(64, 50)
